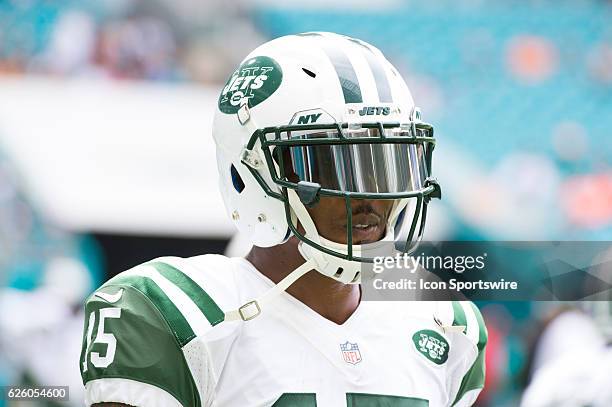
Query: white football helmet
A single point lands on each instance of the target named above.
(320, 114)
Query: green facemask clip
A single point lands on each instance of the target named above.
(308, 192)
(437, 192)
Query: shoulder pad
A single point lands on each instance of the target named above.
(127, 337)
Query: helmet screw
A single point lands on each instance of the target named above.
(235, 215)
(261, 217)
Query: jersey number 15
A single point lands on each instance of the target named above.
(101, 337)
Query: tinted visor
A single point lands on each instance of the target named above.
(374, 167)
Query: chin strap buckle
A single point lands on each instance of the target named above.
(252, 309)
(436, 193)
(249, 310)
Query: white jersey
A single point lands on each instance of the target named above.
(155, 335)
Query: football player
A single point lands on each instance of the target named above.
(572, 364)
(321, 154)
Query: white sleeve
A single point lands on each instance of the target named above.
(129, 392)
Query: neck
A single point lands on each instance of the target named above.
(329, 298)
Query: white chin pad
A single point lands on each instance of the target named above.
(345, 271)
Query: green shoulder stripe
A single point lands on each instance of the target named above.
(175, 319)
(475, 376)
(135, 342)
(482, 329)
(204, 302)
(460, 319)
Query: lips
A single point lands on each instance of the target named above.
(367, 228)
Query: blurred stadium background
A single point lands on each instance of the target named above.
(106, 158)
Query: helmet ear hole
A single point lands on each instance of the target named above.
(339, 272)
(236, 179)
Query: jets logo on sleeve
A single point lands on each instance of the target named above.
(431, 345)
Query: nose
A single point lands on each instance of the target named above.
(380, 207)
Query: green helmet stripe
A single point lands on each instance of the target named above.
(380, 77)
(203, 301)
(378, 71)
(346, 75)
(344, 70)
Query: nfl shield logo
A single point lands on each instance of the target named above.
(350, 352)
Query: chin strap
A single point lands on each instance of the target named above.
(303, 216)
(253, 308)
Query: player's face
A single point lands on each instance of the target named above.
(369, 219)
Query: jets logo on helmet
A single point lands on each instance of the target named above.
(253, 82)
